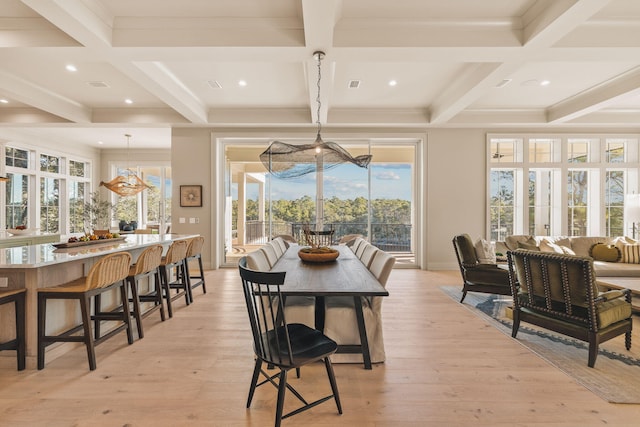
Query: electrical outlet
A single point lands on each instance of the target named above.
(182, 221)
(192, 220)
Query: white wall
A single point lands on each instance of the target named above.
(456, 192)
(453, 197)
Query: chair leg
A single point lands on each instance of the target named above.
(254, 381)
(42, 316)
(282, 388)
(158, 293)
(334, 385)
(20, 331)
(186, 281)
(464, 294)
(516, 323)
(97, 308)
(133, 284)
(85, 302)
(126, 312)
(164, 285)
(627, 340)
(593, 349)
(204, 285)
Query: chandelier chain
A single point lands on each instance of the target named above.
(319, 56)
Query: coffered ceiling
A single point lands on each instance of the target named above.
(457, 63)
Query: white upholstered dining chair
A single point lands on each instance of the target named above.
(298, 309)
(340, 322)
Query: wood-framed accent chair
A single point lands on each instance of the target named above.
(560, 293)
(16, 297)
(281, 344)
(477, 277)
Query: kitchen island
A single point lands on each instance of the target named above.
(44, 265)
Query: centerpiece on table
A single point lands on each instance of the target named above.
(315, 252)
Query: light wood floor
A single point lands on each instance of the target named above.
(445, 367)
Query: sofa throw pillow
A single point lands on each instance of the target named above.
(567, 251)
(604, 252)
(528, 246)
(547, 246)
(631, 254)
(485, 251)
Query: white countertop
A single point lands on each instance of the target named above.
(36, 256)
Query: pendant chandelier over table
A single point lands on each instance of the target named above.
(127, 184)
(290, 160)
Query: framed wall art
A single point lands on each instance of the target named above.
(190, 195)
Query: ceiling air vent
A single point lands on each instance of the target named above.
(97, 84)
(214, 84)
(354, 84)
(503, 83)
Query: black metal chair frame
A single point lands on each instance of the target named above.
(324, 237)
(284, 346)
(17, 297)
(564, 316)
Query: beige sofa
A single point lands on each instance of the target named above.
(580, 246)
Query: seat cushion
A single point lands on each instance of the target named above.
(487, 274)
(610, 312)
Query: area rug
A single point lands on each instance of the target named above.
(615, 377)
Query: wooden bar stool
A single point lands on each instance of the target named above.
(106, 274)
(194, 252)
(174, 262)
(17, 297)
(146, 266)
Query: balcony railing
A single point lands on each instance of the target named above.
(387, 236)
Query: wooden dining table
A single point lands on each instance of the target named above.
(346, 276)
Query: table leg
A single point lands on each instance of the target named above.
(364, 342)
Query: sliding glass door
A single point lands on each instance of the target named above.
(377, 202)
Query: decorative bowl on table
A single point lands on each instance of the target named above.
(320, 254)
(20, 231)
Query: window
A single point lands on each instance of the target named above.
(581, 193)
(503, 150)
(49, 163)
(577, 195)
(17, 200)
(16, 157)
(150, 208)
(540, 201)
(502, 203)
(49, 205)
(614, 202)
(45, 190)
(578, 151)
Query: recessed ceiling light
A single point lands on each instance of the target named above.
(392, 82)
(545, 83)
(71, 67)
(4, 101)
(100, 142)
(128, 101)
(242, 83)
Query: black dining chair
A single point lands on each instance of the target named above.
(280, 344)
